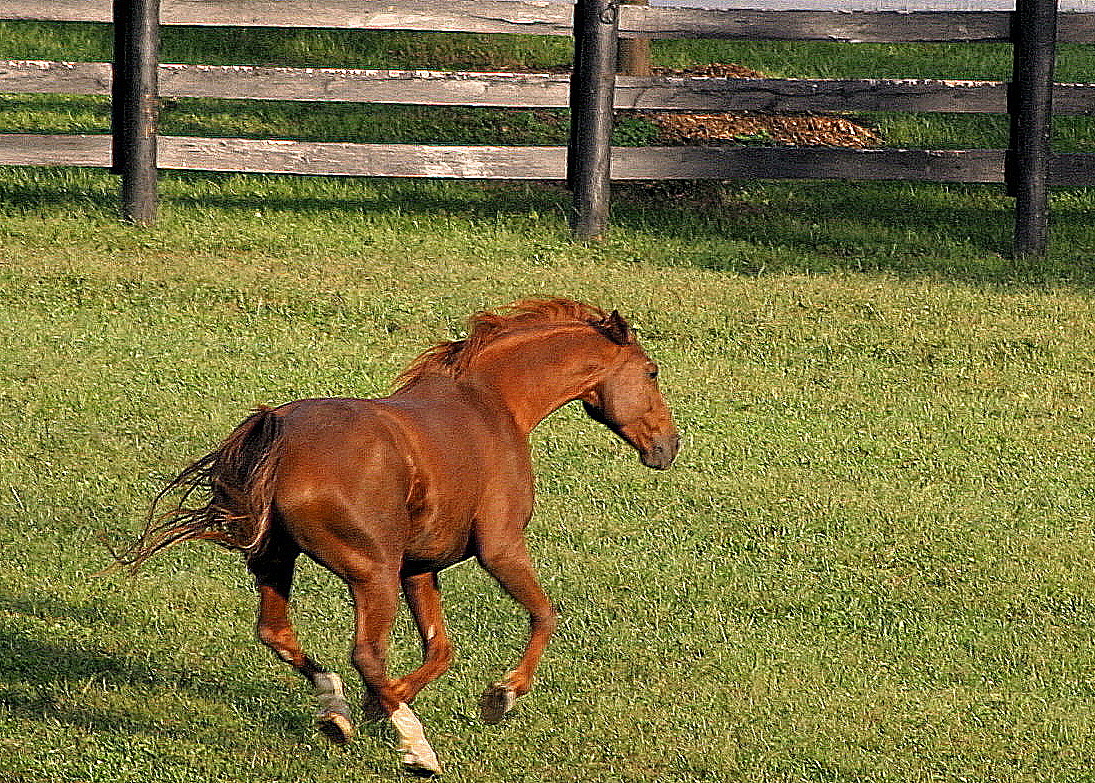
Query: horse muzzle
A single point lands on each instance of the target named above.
(661, 453)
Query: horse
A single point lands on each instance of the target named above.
(388, 492)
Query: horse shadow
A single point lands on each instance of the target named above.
(38, 676)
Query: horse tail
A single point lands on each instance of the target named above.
(236, 480)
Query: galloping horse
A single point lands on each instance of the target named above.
(386, 493)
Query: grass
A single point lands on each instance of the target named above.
(871, 562)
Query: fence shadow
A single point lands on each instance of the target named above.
(856, 226)
(955, 231)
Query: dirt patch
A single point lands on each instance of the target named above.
(805, 130)
(797, 130)
(724, 70)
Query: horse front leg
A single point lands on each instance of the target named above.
(375, 603)
(511, 565)
(273, 569)
(423, 596)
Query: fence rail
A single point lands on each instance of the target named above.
(685, 93)
(541, 163)
(545, 17)
(539, 90)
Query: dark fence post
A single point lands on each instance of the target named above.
(1030, 104)
(572, 97)
(592, 89)
(135, 105)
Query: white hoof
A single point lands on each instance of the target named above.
(416, 751)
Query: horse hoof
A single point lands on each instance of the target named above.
(336, 727)
(418, 756)
(371, 710)
(496, 701)
(333, 715)
(423, 765)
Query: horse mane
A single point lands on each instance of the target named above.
(452, 357)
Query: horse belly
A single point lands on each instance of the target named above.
(441, 521)
(405, 481)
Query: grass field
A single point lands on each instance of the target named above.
(872, 561)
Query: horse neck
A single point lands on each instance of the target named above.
(535, 374)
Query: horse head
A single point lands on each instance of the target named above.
(626, 399)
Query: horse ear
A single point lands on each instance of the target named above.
(616, 329)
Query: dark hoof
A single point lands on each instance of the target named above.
(333, 715)
(495, 702)
(371, 710)
(418, 772)
(336, 727)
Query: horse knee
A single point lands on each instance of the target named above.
(372, 665)
(368, 662)
(269, 633)
(440, 654)
(545, 622)
(281, 640)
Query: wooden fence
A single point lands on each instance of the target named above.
(136, 80)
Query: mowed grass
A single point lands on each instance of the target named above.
(872, 561)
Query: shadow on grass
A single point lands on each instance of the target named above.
(963, 232)
(37, 678)
(72, 191)
(59, 192)
(31, 671)
(957, 231)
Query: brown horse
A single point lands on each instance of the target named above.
(386, 493)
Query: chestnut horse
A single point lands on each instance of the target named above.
(386, 493)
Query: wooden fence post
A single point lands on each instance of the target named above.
(592, 88)
(135, 106)
(1030, 99)
(572, 97)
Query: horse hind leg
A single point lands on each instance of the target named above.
(273, 569)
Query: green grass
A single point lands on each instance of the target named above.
(872, 561)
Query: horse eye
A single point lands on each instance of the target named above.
(653, 373)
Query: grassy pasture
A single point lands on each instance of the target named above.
(872, 561)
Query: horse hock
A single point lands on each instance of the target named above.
(416, 751)
(333, 714)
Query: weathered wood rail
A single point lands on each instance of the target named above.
(552, 17)
(539, 90)
(590, 124)
(542, 163)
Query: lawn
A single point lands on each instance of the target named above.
(871, 562)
